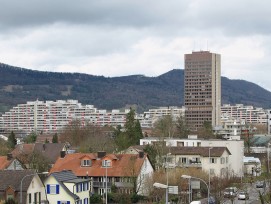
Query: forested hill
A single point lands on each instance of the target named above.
(18, 85)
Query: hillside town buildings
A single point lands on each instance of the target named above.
(52, 116)
(202, 88)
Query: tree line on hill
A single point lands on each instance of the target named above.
(19, 85)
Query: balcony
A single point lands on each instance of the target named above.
(190, 164)
(98, 184)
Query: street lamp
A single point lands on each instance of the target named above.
(191, 177)
(268, 157)
(106, 166)
(160, 185)
(167, 176)
(209, 172)
(21, 188)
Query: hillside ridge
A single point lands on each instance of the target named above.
(19, 85)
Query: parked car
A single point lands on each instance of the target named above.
(243, 195)
(260, 184)
(230, 192)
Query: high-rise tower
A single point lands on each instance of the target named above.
(202, 88)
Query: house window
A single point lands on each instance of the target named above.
(86, 186)
(222, 160)
(227, 160)
(86, 162)
(106, 163)
(52, 189)
(85, 200)
(63, 202)
(183, 160)
(212, 160)
(212, 171)
(29, 198)
(79, 187)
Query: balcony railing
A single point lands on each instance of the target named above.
(98, 184)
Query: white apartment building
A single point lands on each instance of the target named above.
(148, 118)
(235, 147)
(53, 116)
(249, 114)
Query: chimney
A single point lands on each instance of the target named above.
(101, 154)
(141, 154)
(62, 154)
(9, 156)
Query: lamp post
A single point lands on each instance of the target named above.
(167, 176)
(268, 167)
(106, 166)
(191, 177)
(21, 187)
(209, 173)
(160, 185)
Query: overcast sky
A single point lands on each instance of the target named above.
(127, 37)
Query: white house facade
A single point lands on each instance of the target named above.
(235, 147)
(65, 188)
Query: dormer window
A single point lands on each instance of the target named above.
(106, 163)
(86, 162)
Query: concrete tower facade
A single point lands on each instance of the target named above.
(202, 88)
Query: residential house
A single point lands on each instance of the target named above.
(252, 166)
(127, 172)
(10, 163)
(235, 147)
(48, 151)
(65, 188)
(215, 159)
(32, 189)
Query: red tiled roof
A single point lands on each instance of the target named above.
(25, 149)
(122, 165)
(4, 162)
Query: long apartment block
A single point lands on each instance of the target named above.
(249, 114)
(53, 116)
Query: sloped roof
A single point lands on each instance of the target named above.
(12, 178)
(122, 165)
(67, 176)
(4, 162)
(260, 140)
(25, 149)
(203, 151)
(51, 151)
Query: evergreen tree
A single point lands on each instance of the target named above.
(31, 138)
(55, 138)
(138, 132)
(132, 132)
(12, 140)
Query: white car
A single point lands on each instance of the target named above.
(243, 196)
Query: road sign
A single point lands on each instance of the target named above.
(173, 189)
